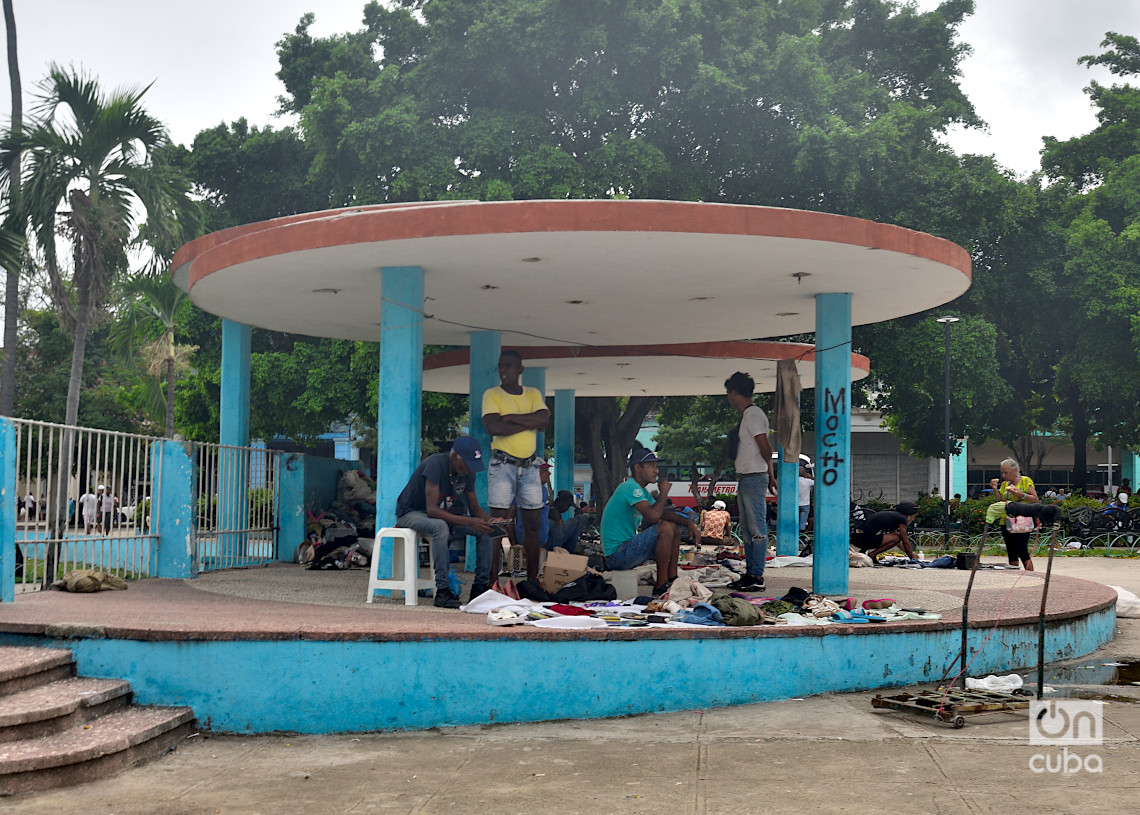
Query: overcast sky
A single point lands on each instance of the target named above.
(214, 61)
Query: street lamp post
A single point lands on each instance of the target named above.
(946, 321)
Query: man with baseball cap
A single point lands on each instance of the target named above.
(429, 505)
(626, 548)
(881, 531)
(716, 525)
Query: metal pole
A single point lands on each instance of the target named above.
(946, 321)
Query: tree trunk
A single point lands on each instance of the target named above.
(12, 278)
(1080, 447)
(170, 397)
(606, 435)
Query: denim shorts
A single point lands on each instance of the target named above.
(635, 551)
(510, 485)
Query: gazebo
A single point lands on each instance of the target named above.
(575, 274)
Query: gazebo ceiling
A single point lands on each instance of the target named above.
(570, 272)
(665, 370)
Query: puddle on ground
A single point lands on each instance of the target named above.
(1100, 672)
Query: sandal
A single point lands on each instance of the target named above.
(876, 604)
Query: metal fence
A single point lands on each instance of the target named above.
(236, 506)
(83, 500)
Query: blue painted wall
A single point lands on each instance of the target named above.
(327, 687)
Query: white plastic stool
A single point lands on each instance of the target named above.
(405, 565)
(624, 583)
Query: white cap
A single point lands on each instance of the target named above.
(102, 487)
(720, 505)
(1122, 496)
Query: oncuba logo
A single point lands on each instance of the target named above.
(1064, 723)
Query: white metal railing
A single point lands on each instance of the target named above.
(64, 520)
(236, 506)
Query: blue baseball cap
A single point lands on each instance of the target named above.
(469, 450)
(642, 455)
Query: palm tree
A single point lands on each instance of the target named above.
(153, 302)
(92, 163)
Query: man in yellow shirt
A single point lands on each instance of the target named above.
(513, 414)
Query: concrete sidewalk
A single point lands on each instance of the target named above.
(832, 753)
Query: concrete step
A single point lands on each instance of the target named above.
(46, 709)
(92, 750)
(22, 668)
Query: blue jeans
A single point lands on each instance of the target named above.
(635, 551)
(565, 535)
(805, 511)
(440, 532)
(751, 501)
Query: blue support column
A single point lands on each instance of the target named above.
(536, 378)
(290, 506)
(174, 521)
(234, 409)
(959, 483)
(483, 373)
(832, 442)
(233, 430)
(7, 511)
(788, 506)
(399, 420)
(564, 440)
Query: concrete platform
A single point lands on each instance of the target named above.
(281, 648)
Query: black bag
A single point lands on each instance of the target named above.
(529, 590)
(733, 444)
(589, 586)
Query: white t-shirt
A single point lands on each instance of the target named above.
(108, 503)
(749, 459)
(805, 490)
(87, 503)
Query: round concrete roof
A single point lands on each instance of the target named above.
(597, 272)
(691, 369)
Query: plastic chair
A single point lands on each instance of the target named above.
(405, 565)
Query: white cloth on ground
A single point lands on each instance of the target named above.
(1127, 603)
(999, 683)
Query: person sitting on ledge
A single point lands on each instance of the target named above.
(428, 503)
(626, 548)
(884, 530)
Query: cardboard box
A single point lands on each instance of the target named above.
(562, 568)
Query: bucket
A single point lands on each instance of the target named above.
(624, 583)
(966, 560)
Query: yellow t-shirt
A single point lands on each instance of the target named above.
(496, 400)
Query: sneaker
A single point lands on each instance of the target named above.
(445, 599)
(749, 583)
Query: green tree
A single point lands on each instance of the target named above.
(146, 329)
(833, 106)
(90, 164)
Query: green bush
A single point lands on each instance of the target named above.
(930, 512)
(261, 502)
(972, 513)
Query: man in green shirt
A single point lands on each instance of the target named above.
(625, 547)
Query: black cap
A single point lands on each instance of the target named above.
(469, 450)
(907, 507)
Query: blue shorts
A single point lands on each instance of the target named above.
(510, 485)
(635, 551)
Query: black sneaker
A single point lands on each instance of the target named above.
(749, 583)
(476, 590)
(445, 599)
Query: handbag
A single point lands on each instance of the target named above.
(1018, 524)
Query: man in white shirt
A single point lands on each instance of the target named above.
(753, 454)
(806, 484)
(88, 505)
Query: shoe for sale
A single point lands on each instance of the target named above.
(444, 598)
(748, 583)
